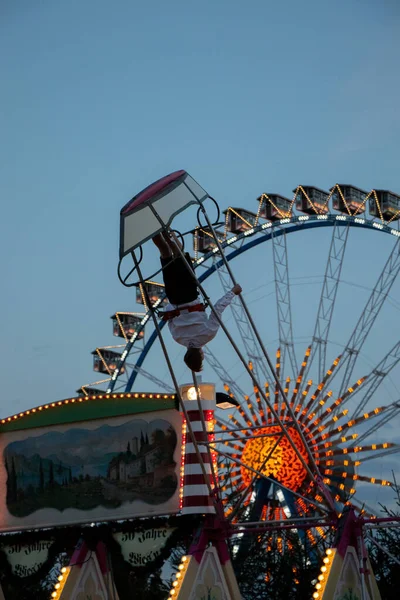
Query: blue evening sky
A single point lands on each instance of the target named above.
(101, 98)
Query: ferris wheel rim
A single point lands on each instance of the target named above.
(270, 229)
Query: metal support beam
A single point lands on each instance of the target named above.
(283, 304)
(369, 315)
(377, 376)
(327, 301)
(246, 333)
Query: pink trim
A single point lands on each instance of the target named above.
(79, 554)
(222, 548)
(348, 533)
(151, 190)
(199, 545)
(101, 553)
(213, 530)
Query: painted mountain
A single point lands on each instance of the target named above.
(83, 469)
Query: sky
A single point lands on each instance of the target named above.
(99, 99)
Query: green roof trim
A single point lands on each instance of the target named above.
(87, 408)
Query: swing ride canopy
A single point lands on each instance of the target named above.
(155, 207)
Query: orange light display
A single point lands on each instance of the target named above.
(283, 464)
(271, 454)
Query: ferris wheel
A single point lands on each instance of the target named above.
(312, 264)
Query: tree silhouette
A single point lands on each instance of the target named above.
(41, 476)
(385, 568)
(51, 475)
(12, 483)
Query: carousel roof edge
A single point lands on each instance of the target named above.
(86, 408)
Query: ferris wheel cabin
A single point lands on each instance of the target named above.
(311, 200)
(348, 198)
(274, 207)
(238, 220)
(203, 240)
(154, 291)
(125, 324)
(106, 361)
(388, 205)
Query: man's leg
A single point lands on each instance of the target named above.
(162, 245)
(180, 286)
(175, 246)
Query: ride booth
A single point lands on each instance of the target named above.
(102, 497)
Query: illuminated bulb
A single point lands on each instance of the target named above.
(54, 594)
(318, 586)
(320, 577)
(57, 586)
(191, 393)
(181, 567)
(60, 578)
(172, 592)
(315, 595)
(323, 569)
(326, 560)
(184, 559)
(178, 575)
(329, 552)
(175, 583)
(64, 569)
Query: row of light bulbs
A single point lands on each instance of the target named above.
(323, 576)
(179, 576)
(61, 579)
(81, 399)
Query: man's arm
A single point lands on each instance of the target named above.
(221, 305)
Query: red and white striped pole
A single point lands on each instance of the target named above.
(197, 478)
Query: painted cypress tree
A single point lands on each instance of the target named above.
(41, 476)
(11, 482)
(51, 475)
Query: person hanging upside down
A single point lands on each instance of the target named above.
(187, 320)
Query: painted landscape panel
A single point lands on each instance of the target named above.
(84, 469)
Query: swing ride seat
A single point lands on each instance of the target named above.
(155, 207)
